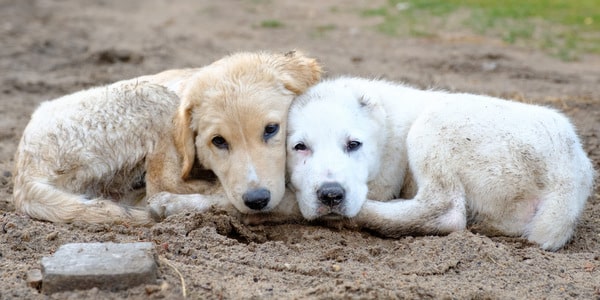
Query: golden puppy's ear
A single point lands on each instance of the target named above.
(298, 72)
(183, 136)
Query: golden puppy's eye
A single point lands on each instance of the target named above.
(220, 142)
(270, 131)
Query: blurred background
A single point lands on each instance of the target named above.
(534, 50)
(562, 28)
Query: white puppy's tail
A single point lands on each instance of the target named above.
(556, 218)
(43, 201)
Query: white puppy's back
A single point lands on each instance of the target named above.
(521, 167)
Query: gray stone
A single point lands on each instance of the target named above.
(108, 266)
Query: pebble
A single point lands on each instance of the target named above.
(336, 268)
(34, 278)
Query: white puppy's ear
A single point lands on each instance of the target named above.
(367, 102)
(183, 137)
(296, 71)
(371, 105)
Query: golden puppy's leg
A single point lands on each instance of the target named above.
(165, 204)
(163, 174)
(42, 200)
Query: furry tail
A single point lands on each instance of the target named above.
(43, 201)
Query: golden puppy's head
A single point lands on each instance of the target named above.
(233, 116)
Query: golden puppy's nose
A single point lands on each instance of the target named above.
(257, 199)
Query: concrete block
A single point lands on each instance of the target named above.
(108, 266)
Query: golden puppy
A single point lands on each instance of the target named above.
(99, 155)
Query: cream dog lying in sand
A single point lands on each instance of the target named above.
(444, 160)
(98, 155)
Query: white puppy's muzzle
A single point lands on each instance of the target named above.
(331, 194)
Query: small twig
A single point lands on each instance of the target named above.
(166, 262)
(494, 261)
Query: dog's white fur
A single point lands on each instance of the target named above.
(503, 167)
(88, 155)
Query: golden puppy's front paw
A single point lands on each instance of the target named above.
(158, 206)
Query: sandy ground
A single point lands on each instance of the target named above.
(51, 48)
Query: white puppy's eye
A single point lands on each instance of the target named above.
(220, 142)
(270, 131)
(353, 146)
(300, 147)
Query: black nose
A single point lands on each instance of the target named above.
(257, 199)
(331, 193)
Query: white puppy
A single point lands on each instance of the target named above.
(462, 159)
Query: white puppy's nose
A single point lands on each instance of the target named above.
(331, 193)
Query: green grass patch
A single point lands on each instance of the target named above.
(561, 27)
(322, 30)
(271, 24)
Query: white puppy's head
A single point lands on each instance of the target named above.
(333, 148)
